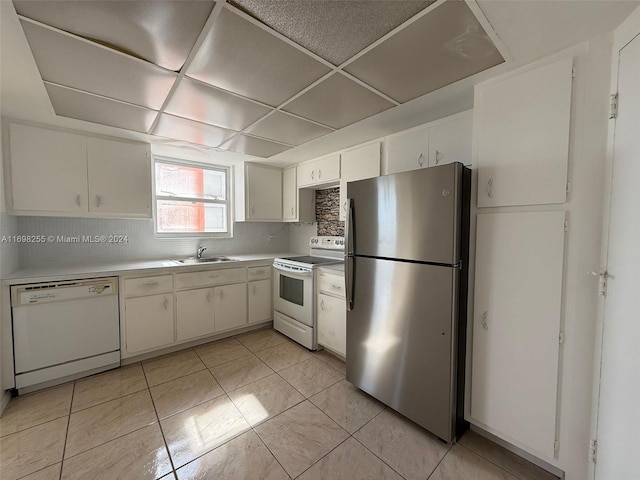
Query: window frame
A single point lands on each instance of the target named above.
(193, 164)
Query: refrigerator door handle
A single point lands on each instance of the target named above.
(348, 264)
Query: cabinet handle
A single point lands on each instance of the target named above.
(336, 287)
(344, 206)
(221, 294)
(166, 304)
(319, 174)
(78, 200)
(98, 201)
(322, 304)
(150, 284)
(438, 157)
(490, 188)
(313, 174)
(291, 210)
(209, 296)
(484, 320)
(421, 160)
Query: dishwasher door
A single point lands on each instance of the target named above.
(61, 329)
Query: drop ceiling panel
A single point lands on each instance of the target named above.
(337, 102)
(190, 131)
(334, 31)
(254, 146)
(442, 47)
(241, 57)
(159, 32)
(73, 62)
(197, 101)
(68, 102)
(286, 128)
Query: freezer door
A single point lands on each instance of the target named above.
(400, 333)
(412, 215)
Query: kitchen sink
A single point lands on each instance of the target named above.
(195, 261)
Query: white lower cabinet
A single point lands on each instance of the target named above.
(148, 322)
(332, 312)
(260, 302)
(194, 313)
(230, 306)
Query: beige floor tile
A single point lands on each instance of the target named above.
(347, 406)
(49, 473)
(265, 398)
(350, 461)
(311, 376)
(283, 355)
(33, 449)
(407, 448)
(200, 429)
(108, 386)
(35, 408)
(215, 353)
(262, 339)
(463, 463)
(240, 372)
(172, 366)
(185, 392)
(244, 457)
(300, 436)
(100, 424)
(331, 360)
(140, 455)
(502, 457)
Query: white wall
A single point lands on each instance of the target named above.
(299, 235)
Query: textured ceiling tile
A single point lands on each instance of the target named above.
(242, 58)
(197, 101)
(444, 46)
(337, 102)
(254, 146)
(333, 30)
(161, 32)
(71, 103)
(287, 129)
(190, 131)
(73, 62)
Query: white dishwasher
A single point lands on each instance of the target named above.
(65, 329)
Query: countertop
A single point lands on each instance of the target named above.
(80, 271)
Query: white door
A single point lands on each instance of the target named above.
(289, 194)
(194, 313)
(230, 306)
(260, 307)
(408, 151)
(619, 412)
(332, 323)
(264, 193)
(451, 141)
(148, 322)
(358, 164)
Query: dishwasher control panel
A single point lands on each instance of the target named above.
(62, 291)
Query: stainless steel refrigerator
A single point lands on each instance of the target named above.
(406, 277)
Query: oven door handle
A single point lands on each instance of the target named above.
(293, 272)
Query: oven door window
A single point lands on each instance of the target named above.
(292, 290)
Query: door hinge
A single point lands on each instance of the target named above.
(602, 282)
(566, 225)
(593, 450)
(556, 445)
(561, 338)
(613, 106)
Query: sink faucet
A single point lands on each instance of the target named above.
(200, 250)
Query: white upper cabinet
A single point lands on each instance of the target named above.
(408, 151)
(297, 205)
(60, 173)
(258, 193)
(451, 140)
(319, 172)
(119, 178)
(358, 164)
(521, 142)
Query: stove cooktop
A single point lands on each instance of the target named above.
(309, 260)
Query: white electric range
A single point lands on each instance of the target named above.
(295, 289)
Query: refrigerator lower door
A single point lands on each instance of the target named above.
(400, 337)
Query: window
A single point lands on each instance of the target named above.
(191, 199)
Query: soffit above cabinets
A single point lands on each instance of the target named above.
(244, 75)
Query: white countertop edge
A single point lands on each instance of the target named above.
(73, 272)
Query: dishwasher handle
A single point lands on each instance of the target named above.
(39, 293)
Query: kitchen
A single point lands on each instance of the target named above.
(528, 45)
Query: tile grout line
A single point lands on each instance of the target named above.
(441, 460)
(66, 435)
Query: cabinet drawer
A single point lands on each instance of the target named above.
(148, 285)
(211, 277)
(259, 273)
(331, 284)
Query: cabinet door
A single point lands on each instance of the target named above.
(306, 174)
(357, 164)
(408, 151)
(148, 322)
(230, 306)
(195, 317)
(260, 309)
(289, 194)
(48, 170)
(451, 141)
(517, 308)
(264, 193)
(521, 149)
(119, 178)
(328, 169)
(332, 323)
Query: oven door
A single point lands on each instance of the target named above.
(293, 294)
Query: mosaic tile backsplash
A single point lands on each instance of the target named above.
(328, 212)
